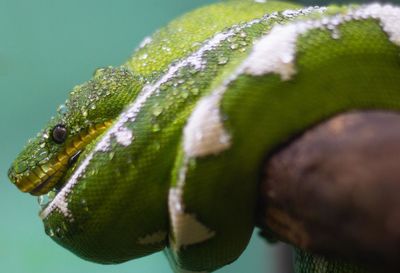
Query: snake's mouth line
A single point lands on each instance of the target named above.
(48, 183)
(46, 177)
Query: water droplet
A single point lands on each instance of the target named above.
(62, 109)
(335, 34)
(144, 56)
(234, 46)
(157, 110)
(43, 200)
(59, 233)
(20, 167)
(50, 232)
(41, 155)
(165, 48)
(222, 60)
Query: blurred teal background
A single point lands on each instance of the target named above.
(47, 47)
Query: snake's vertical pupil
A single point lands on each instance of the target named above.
(59, 133)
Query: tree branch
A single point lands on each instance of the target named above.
(336, 190)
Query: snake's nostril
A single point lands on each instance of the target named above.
(11, 175)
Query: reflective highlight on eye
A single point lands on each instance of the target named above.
(59, 133)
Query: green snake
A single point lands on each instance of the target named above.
(164, 152)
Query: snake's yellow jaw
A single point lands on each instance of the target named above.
(85, 115)
(43, 177)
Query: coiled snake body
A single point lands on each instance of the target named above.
(164, 152)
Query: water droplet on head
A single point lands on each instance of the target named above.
(234, 46)
(42, 157)
(222, 60)
(43, 200)
(50, 232)
(144, 56)
(20, 167)
(62, 109)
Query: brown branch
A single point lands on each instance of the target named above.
(336, 190)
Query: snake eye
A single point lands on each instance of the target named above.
(59, 133)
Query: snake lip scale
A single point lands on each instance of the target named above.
(57, 177)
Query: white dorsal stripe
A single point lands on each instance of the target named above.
(205, 133)
(186, 228)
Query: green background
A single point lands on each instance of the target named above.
(47, 47)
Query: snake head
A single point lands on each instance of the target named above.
(85, 115)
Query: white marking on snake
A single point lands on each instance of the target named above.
(155, 238)
(124, 136)
(186, 229)
(276, 51)
(205, 133)
(388, 15)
